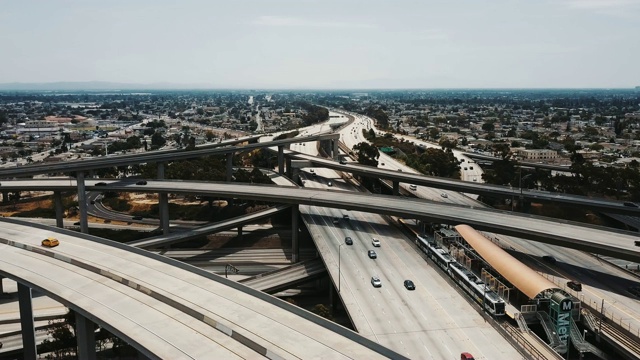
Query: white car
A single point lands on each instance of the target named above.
(375, 242)
(413, 187)
(444, 195)
(375, 281)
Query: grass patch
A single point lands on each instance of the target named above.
(117, 204)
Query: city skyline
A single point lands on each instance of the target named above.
(324, 45)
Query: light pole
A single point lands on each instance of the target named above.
(525, 177)
(339, 262)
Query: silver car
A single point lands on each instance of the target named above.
(375, 281)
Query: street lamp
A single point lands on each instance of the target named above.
(525, 178)
(339, 262)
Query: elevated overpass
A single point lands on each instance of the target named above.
(520, 163)
(154, 156)
(164, 240)
(287, 277)
(163, 308)
(469, 187)
(594, 239)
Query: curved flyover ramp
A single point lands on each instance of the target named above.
(520, 275)
(166, 309)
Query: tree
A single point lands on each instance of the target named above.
(210, 135)
(157, 139)
(367, 154)
(488, 126)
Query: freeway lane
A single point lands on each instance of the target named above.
(170, 309)
(432, 322)
(604, 241)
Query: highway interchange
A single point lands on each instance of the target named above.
(440, 321)
(432, 322)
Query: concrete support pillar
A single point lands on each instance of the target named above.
(5, 196)
(295, 246)
(26, 322)
(229, 167)
(86, 336)
(396, 188)
(335, 151)
(57, 198)
(92, 174)
(239, 232)
(160, 172)
(288, 168)
(163, 203)
(82, 203)
(281, 159)
(1, 287)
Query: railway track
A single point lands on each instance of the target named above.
(622, 338)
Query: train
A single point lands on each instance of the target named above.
(467, 280)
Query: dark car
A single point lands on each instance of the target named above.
(343, 161)
(92, 202)
(141, 182)
(574, 285)
(549, 259)
(76, 223)
(372, 254)
(409, 285)
(348, 240)
(101, 184)
(630, 204)
(137, 218)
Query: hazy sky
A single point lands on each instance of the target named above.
(324, 43)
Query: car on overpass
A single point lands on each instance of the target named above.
(348, 240)
(372, 254)
(574, 285)
(375, 242)
(50, 242)
(141, 182)
(375, 281)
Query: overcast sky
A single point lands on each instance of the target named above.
(324, 43)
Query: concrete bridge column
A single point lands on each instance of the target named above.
(5, 196)
(160, 172)
(1, 287)
(335, 151)
(288, 171)
(396, 188)
(295, 246)
(280, 159)
(229, 167)
(239, 232)
(82, 202)
(26, 322)
(86, 336)
(92, 174)
(163, 203)
(57, 198)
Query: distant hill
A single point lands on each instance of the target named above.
(96, 85)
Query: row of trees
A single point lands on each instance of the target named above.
(431, 161)
(584, 179)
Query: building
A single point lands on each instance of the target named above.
(537, 154)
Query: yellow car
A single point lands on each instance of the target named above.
(50, 242)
